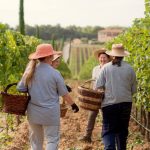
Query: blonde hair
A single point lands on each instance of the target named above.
(29, 72)
(30, 69)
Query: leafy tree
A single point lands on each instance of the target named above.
(147, 8)
(48, 32)
(64, 70)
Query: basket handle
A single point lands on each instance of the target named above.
(87, 82)
(8, 86)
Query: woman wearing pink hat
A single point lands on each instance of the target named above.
(45, 85)
(118, 79)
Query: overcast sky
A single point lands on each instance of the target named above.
(73, 12)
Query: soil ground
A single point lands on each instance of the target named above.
(73, 126)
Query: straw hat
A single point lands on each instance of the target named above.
(42, 50)
(102, 50)
(118, 50)
(56, 56)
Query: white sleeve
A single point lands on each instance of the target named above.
(93, 73)
(100, 82)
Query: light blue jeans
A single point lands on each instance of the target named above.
(37, 134)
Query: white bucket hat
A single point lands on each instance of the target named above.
(118, 50)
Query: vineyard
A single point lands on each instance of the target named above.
(14, 51)
(79, 55)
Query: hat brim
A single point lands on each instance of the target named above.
(35, 56)
(125, 53)
(57, 56)
(96, 53)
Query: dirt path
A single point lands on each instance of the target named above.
(72, 127)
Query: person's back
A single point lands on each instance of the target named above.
(120, 84)
(118, 80)
(43, 89)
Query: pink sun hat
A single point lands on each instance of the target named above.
(43, 50)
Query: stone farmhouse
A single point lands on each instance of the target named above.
(108, 34)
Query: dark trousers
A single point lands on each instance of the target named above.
(115, 125)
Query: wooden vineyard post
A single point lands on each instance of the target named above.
(148, 127)
(144, 122)
(136, 114)
(141, 118)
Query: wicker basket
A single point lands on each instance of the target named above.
(89, 99)
(14, 104)
(63, 109)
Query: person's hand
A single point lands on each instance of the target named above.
(75, 108)
(68, 88)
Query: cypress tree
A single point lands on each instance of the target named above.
(147, 8)
(21, 18)
(37, 32)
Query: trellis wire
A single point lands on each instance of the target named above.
(138, 122)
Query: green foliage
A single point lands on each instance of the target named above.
(3, 28)
(147, 8)
(64, 70)
(86, 69)
(57, 44)
(14, 51)
(137, 41)
(79, 54)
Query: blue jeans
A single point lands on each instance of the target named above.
(115, 125)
